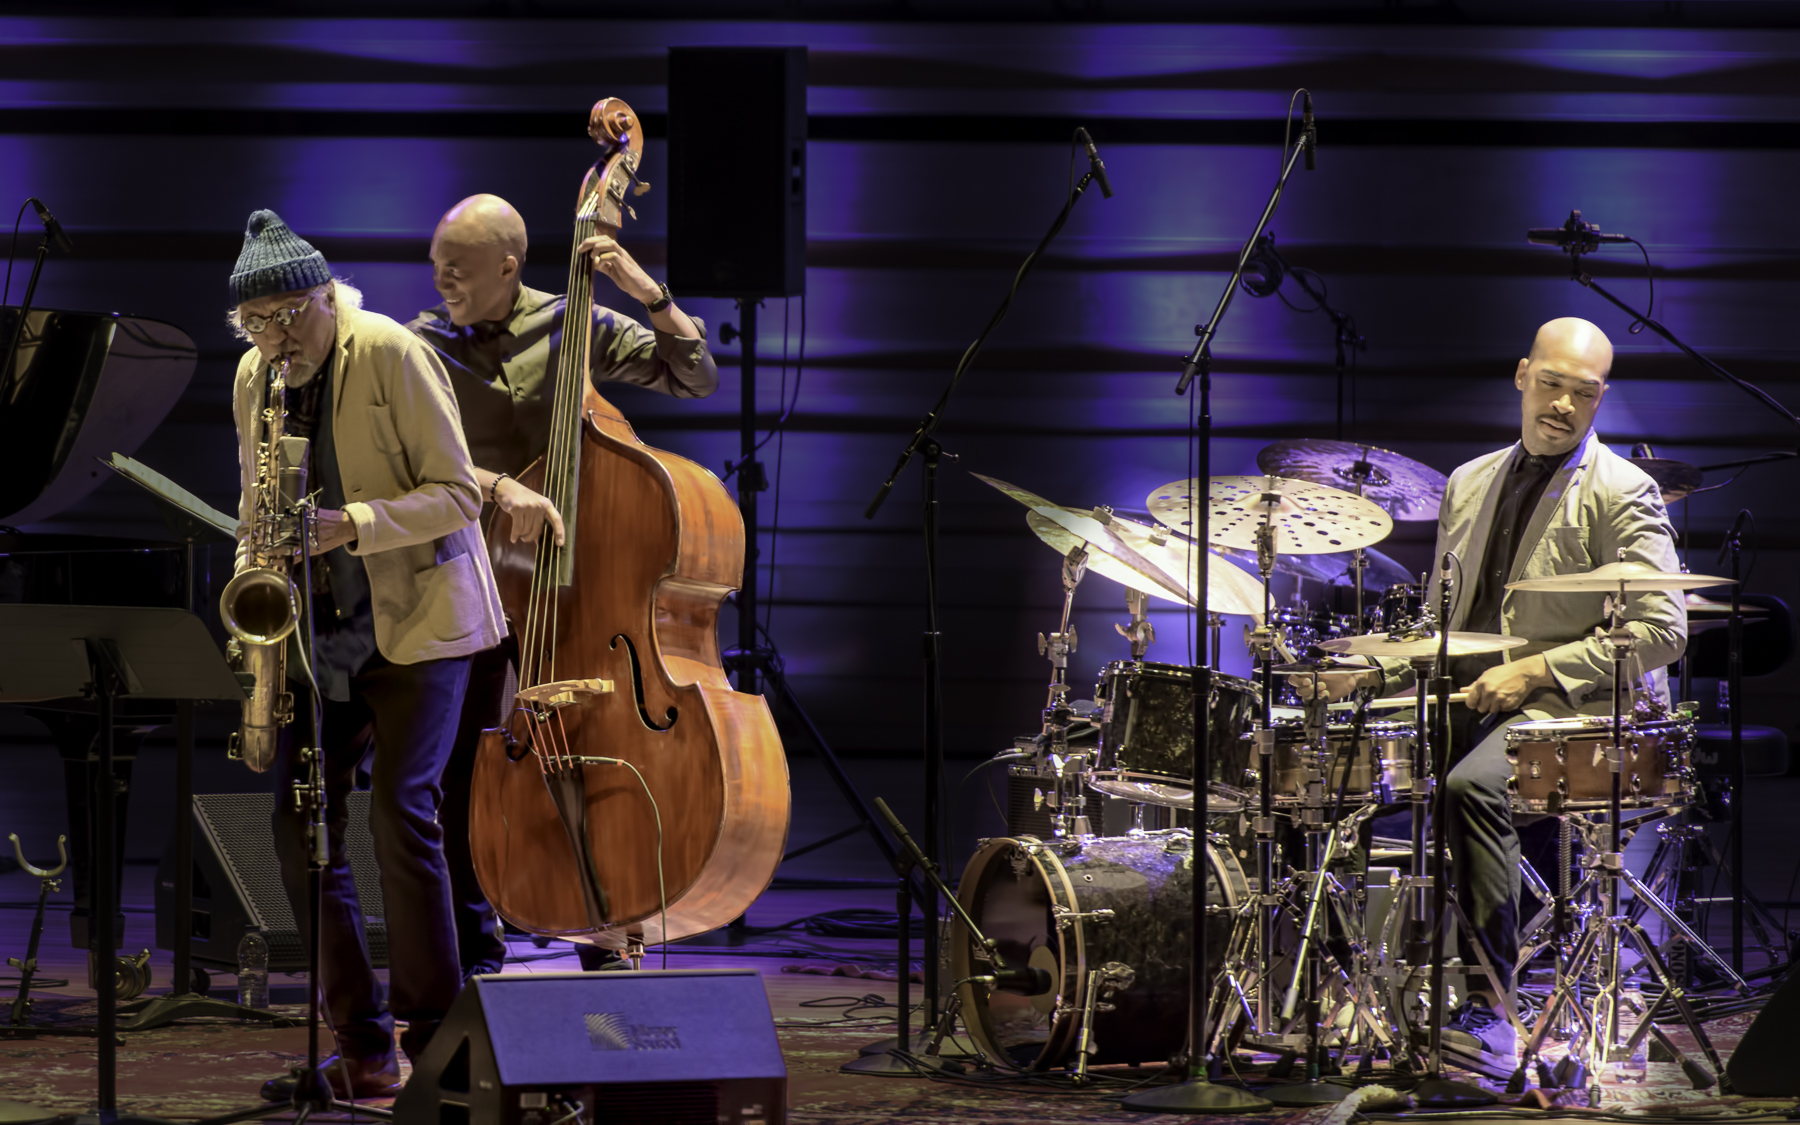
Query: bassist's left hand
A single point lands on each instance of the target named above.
(616, 263)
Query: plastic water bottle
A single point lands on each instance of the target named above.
(253, 970)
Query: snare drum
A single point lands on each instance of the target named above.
(1561, 764)
(1380, 765)
(1071, 908)
(1147, 730)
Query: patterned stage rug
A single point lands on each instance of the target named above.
(204, 1068)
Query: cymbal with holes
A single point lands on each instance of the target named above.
(1675, 479)
(1404, 488)
(1308, 519)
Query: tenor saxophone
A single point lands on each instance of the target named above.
(260, 607)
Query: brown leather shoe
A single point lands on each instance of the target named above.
(377, 1076)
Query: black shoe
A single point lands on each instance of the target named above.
(375, 1077)
(481, 969)
(1481, 1034)
(597, 960)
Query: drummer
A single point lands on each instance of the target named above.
(1555, 502)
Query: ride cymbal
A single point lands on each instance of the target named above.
(1308, 519)
(1404, 488)
(1637, 577)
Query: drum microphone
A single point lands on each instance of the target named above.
(1574, 236)
(52, 229)
(1026, 980)
(1095, 164)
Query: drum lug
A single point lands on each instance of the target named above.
(1066, 917)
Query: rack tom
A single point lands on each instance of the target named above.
(1561, 764)
(1147, 732)
(1379, 764)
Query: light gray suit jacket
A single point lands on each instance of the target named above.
(1596, 505)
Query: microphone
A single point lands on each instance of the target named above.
(1025, 980)
(1574, 235)
(52, 229)
(1309, 131)
(1444, 567)
(1094, 162)
(1731, 536)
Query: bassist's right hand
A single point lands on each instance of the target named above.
(529, 511)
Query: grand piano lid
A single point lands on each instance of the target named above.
(89, 384)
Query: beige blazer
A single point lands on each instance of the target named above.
(409, 487)
(1597, 504)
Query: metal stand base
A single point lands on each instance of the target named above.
(1196, 1096)
(142, 1015)
(1306, 1093)
(892, 1064)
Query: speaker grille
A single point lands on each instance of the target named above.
(657, 1103)
(240, 823)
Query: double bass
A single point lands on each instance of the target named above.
(630, 791)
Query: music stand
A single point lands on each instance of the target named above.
(105, 653)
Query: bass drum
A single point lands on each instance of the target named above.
(1036, 902)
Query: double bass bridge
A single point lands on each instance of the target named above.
(563, 693)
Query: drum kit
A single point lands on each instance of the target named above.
(1317, 951)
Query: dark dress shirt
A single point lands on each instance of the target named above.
(1520, 490)
(505, 372)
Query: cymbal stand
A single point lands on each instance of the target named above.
(1361, 472)
(1435, 1090)
(1263, 640)
(1069, 797)
(1602, 946)
(1140, 632)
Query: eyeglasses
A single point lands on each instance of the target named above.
(256, 325)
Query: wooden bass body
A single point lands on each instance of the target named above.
(658, 545)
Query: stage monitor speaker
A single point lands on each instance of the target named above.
(1763, 1064)
(676, 1047)
(237, 885)
(737, 171)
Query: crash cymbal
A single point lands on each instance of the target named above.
(1676, 479)
(1230, 590)
(1405, 489)
(1461, 644)
(1638, 578)
(1096, 534)
(1309, 519)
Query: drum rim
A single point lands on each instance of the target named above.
(1596, 724)
(1153, 668)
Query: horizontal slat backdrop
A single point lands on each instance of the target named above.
(938, 155)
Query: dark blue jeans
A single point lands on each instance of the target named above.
(1484, 845)
(413, 710)
(478, 934)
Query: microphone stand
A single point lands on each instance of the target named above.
(18, 332)
(1198, 1094)
(924, 441)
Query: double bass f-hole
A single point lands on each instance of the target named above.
(637, 688)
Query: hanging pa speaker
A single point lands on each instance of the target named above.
(737, 171)
(676, 1047)
(1763, 1064)
(237, 883)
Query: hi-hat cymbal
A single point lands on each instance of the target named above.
(1309, 519)
(1405, 489)
(1229, 589)
(1096, 534)
(1705, 609)
(1333, 570)
(1461, 644)
(1675, 479)
(1638, 578)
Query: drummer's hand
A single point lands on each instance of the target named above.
(1505, 687)
(1333, 685)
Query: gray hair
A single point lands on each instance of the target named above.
(347, 296)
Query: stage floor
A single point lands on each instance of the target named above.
(829, 996)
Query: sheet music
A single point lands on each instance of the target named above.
(173, 494)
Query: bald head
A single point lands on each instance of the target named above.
(477, 252)
(1561, 384)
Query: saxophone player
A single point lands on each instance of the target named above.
(401, 596)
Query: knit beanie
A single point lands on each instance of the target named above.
(274, 260)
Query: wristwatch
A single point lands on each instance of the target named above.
(661, 302)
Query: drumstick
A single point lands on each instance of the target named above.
(1399, 701)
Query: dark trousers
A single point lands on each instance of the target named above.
(412, 709)
(1484, 844)
(479, 941)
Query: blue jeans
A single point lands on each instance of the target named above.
(1484, 844)
(413, 709)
